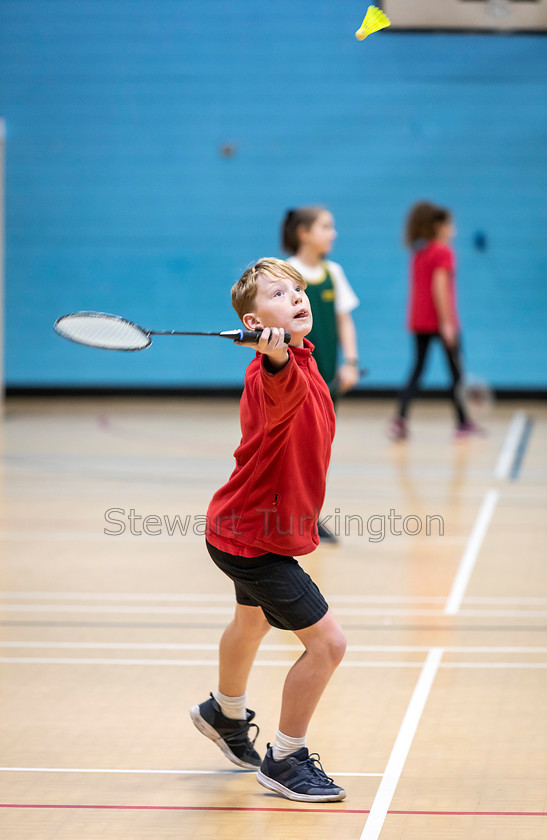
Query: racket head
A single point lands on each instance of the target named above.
(478, 397)
(102, 330)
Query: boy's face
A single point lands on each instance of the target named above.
(280, 302)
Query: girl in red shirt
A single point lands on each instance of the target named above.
(432, 309)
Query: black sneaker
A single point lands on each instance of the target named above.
(299, 776)
(232, 736)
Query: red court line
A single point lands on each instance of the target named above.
(340, 810)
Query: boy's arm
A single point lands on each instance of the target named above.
(272, 344)
(283, 387)
(348, 374)
(441, 297)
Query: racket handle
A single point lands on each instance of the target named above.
(254, 336)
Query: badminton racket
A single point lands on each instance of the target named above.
(478, 397)
(111, 332)
(334, 384)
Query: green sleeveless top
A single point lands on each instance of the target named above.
(324, 334)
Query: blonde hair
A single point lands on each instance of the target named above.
(244, 291)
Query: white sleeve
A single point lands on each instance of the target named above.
(345, 298)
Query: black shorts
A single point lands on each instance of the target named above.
(288, 596)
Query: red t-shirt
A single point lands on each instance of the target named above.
(422, 313)
(273, 498)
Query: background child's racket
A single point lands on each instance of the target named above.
(334, 384)
(478, 397)
(111, 332)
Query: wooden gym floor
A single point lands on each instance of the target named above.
(435, 722)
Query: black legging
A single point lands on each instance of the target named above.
(412, 387)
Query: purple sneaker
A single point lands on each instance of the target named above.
(397, 429)
(467, 429)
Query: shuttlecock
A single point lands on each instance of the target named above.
(374, 20)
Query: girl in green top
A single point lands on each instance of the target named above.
(308, 234)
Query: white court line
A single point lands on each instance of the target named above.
(207, 597)
(60, 645)
(494, 599)
(125, 610)
(150, 772)
(471, 552)
(510, 445)
(401, 748)
(93, 536)
(117, 596)
(229, 599)
(271, 663)
(465, 570)
(506, 665)
(502, 469)
(165, 539)
(195, 539)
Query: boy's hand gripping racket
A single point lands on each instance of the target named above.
(110, 332)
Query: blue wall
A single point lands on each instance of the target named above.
(118, 198)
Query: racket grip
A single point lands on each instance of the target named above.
(254, 336)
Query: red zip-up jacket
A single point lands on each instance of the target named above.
(273, 498)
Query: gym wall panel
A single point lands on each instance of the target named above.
(119, 197)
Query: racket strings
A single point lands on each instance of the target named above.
(103, 331)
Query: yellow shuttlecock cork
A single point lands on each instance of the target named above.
(374, 20)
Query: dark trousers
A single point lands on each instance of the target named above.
(453, 357)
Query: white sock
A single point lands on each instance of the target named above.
(232, 707)
(285, 745)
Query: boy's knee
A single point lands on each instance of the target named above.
(333, 647)
(337, 647)
(265, 627)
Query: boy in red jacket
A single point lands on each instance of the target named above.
(266, 513)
